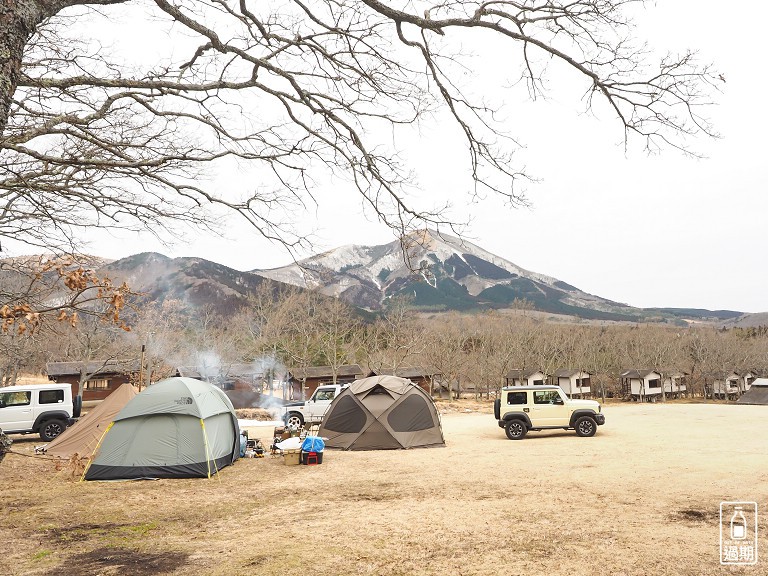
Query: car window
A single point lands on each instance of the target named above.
(325, 395)
(516, 398)
(51, 396)
(15, 398)
(545, 396)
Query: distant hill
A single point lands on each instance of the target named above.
(194, 281)
(747, 320)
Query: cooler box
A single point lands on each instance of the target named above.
(311, 458)
(291, 457)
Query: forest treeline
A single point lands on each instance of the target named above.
(473, 352)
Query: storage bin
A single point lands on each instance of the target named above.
(311, 458)
(291, 457)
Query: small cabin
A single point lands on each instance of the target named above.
(727, 386)
(101, 378)
(313, 376)
(575, 383)
(425, 377)
(675, 383)
(641, 385)
(525, 378)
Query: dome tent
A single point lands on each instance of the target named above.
(382, 413)
(757, 393)
(176, 428)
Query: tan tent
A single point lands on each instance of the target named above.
(83, 437)
(382, 413)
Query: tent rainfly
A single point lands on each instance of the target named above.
(176, 428)
(757, 393)
(382, 413)
(83, 436)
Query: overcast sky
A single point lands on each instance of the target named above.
(666, 231)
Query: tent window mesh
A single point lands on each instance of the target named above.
(347, 416)
(410, 415)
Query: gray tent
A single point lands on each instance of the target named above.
(757, 393)
(176, 428)
(382, 413)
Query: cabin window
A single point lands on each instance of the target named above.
(654, 383)
(101, 384)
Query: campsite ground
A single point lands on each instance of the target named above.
(640, 498)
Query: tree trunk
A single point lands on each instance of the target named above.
(18, 20)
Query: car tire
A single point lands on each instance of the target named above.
(516, 429)
(50, 429)
(294, 420)
(77, 406)
(585, 426)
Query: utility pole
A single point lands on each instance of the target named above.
(141, 367)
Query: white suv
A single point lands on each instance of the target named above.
(523, 408)
(45, 409)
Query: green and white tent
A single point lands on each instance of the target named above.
(176, 428)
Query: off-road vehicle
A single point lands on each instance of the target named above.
(524, 408)
(45, 409)
(297, 414)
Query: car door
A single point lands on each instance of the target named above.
(16, 410)
(320, 402)
(548, 409)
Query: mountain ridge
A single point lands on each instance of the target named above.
(441, 272)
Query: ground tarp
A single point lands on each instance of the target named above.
(382, 413)
(82, 437)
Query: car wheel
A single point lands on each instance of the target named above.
(294, 420)
(51, 428)
(516, 429)
(586, 426)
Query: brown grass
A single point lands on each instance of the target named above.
(640, 498)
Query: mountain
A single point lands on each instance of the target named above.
(444, 273)
(195, 282)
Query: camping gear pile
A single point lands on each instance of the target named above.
(312, 448)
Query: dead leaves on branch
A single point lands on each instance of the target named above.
(85, 292)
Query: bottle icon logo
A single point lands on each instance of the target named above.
(738, 533)
(738, 524)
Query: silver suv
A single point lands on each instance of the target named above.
(520, 409)
(45, 409)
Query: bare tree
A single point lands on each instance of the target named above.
(303, 91)
(65, 288)
(335, 324)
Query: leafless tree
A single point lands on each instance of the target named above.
(304, 92)
(65, 288)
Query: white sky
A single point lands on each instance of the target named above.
(665, 231)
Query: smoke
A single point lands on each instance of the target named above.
(208, 365)
(275, 384)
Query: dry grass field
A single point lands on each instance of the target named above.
(639, 498)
